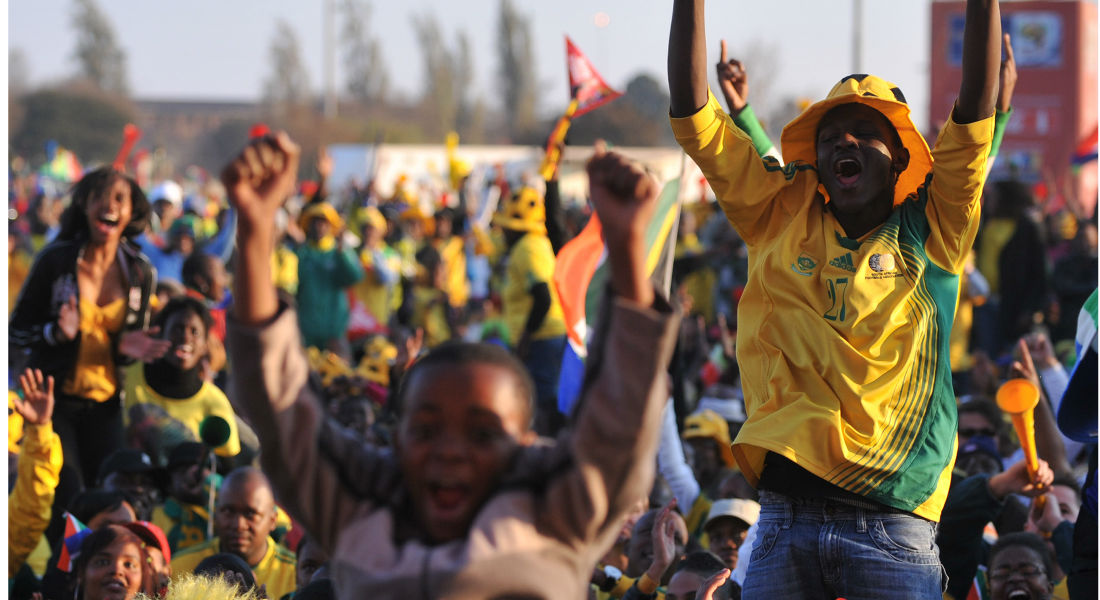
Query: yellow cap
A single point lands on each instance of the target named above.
(709, 424)
(799, 139)
(323, 210)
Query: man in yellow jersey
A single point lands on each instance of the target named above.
(243, 522)
(855, 250)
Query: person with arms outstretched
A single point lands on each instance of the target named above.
(467, 504)
(855, 250)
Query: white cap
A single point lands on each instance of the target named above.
(738, 508)
(170, 192)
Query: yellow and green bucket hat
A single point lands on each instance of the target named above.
(800, 135)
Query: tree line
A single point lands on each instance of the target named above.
(86, 112)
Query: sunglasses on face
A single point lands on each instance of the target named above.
(977, 432)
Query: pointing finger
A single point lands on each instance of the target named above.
(722, 56)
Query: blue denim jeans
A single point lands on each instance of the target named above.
(810, 548)
(543, 362)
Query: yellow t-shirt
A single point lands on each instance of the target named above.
(995, 236)
(209, 401)
(429, 306)
(698, 284)
(843, 343)
(284, 269)
(277, 569)
(452, 254)
(530, 261)
(377, 296)
(93, 376)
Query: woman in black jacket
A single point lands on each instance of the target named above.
(81, 315)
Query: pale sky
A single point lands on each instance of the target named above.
(218, 49)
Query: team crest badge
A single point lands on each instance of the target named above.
(804, 265)
(881, 262)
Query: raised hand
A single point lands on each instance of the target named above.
(1008, 77)
(625, 198)
(143, 345)
(1016, 480)
(1045, 516)
(664, 541)
(324, 163)
(414, 344)
(733, 81)
(1042, 354)
(261, 178)
(1025, 367)
(711, 585)
(68, 320)
(36, 405)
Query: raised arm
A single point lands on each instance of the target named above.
(320, 472)
(258, 181)
(981, 61)
(733, 81)
(687, 58)
(614, 438)
(38, 469)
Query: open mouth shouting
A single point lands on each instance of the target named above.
(107, 223)
(448, 500)
(847, 171)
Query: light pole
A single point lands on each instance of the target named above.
(329, 58)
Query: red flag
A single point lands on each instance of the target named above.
(585, 84)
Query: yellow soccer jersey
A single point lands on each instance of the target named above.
(530, 261)
(209, 401)
(377, 289)
(452, 253)
(277, 569)
(429, 314)
(700, 283)
(843, 343)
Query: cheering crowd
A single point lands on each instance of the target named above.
(251, 386)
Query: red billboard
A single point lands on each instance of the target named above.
(1054, 115)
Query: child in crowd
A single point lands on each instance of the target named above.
(466, 506)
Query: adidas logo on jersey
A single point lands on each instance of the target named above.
(844, 262)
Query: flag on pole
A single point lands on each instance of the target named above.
(556, 141)
(75, 532)
(585, 84)
(581, 274)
